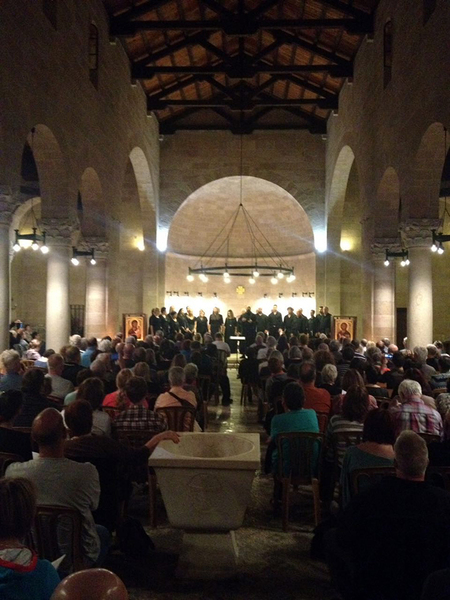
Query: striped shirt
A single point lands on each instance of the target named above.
(416, 416)
(339, 424)
(139, 418)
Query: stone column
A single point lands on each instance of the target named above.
(383, 291)
(96, 317)
(7, 206)
(57, 321)
(417, 238)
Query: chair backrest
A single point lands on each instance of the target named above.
(299, 456)
(439, 476)
(7, 459)
(91, 584)
(430, 437)
(179, 418)
(363, 478)
(57, 531)
(342, 440)
(323, 421)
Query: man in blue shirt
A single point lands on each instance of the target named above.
(12, 380)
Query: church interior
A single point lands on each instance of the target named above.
(240, 205)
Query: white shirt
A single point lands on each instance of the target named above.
(60, 386)
(222, 346)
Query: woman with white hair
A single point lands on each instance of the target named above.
(328, 380)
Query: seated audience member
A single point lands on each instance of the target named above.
(376, 450)
(315, 398)
(12, 380)
(178, 361)
(278, 378)
(138, 417)
(396, 374)
(62, 482)
(22, 575)
(81, 376)
(393, 535)
(143, 370)
(433, 357)
(410, 412)
(203, 362)
(321, 358)
(271, 344)
(329, 376)
(294, 418)
(33, 350)
(352, 377)
(72, 364)
(42, 362)
(110, 457)
(420, 356)
(442, 377)
(347, 356)
(60, 386)
(354, 410)
(294, 356)
(35, 389)
(177, 395)
(92, 391)
(443, 401)
(87, 354)
(372, 376)
(221, 345)
(335, 349)
(191, 382)
(118, 399)
(12, 441)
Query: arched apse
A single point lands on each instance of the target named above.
(426, 174)
(200, 219)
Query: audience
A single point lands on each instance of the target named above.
(60, 386)
(87, 354)
(118, 399)
(12, 379)
(410, 411)
(11, 440)
(315, 398)
(72, 364)
(22, 575)
(35, 388)
(33, 350)
(92, 391)
(138, 417)
(177, 395)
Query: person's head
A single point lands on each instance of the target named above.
(201, 313)
(379, 427)
(432, 351)
(33, 381)
(290, 310)
(356, 404)
(207, 339)
(36, 345)
(10, 360)
(98, 368)
(219, 337)
(138, 355)
(92, 342)
(176, 376)
(73, 354)
(230, 314)
(179, 360)
(259, 311)
(398, 360)
(411, 456)
(275, 364)
(48, 430)
(295, 353)
(274, 308)
(92, 390)
(348, 353)
(142, 369)
(216, 310)
(307, 354)
(322, 358)
(17, 508)
(420, 355)
(352, 377)
(155, 312)
(409, 389)
(444, 364)
(293, 371)
(334, 346)
(259, 340)
(372, 374)
(329, 374)
(55, 364)
(271, 342)
(122, 378)
(78, 418)
(308, 373)
(105, 345)
(190, 372)
(293, 396)
(136, 389)
(11, 403)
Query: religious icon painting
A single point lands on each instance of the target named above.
(344, 328)
(135, 325)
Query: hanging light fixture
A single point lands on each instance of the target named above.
(441, 238)
(76, 253)
(403, 254)
(275, 266)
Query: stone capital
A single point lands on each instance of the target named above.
(59, 230)
(416, 233)
(380, 245)
(8, 204)
(98, 244)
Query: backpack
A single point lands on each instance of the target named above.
(133, 541)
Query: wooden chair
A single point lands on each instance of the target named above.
(340, 442)
(438, 391)
(23, 429)
(179, 418)
(369, 475)
(299, 461)
(439, 476)
(323, 421)
(430, 437)
(51, 524)
(7, 459)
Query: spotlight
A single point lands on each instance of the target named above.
(440, 250)
(226, 274)
(256, 273)
(407, 262)
(74, 260)
(16, 247)
(386, 263)
(434, 247)
(227, 280)
(44, 249)
(274, 280)
(251, 280)
(203, 277)
(403, 263)
(280, 275)
(190, 277)
(93, 261)
(35, 246)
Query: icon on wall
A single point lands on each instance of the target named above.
(344, 328)
(135, 325)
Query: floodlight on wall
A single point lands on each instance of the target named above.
(274, 280)
(403, 254)
(438, 240)
(76, 253)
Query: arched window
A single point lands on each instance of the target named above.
(50, 9)
(428, 9)
(387, 53)
(93, 54)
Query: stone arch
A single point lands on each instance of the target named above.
(52, 171)
(146, 192)
(93, 219)
(388, 203)
(427, 172)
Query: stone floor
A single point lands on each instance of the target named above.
(271, 564)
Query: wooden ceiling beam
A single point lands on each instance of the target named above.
(175, 87)
(217, 7)
(140, 10)
(289, 39)
(171, 48)
(346, 9)
(243, 104)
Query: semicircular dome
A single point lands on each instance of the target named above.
(205, 219)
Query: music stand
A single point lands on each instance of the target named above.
(238, 339)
